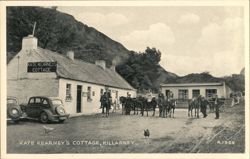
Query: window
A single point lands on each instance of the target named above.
(38, 101)
(101, 92)
(45, 102)
(32, 100)
(210, 93)
(93, 93)
(89, 94)
(68, 92)
(196, 92)
(183, 94)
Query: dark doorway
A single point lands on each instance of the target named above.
(79, 99)
(167, 93)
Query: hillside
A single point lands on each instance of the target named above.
(61, 32)
(196, 78)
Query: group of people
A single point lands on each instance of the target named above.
(214, 103)
(107, 101)
(163, 103)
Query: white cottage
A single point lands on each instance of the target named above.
(189, 90)
(39, 72)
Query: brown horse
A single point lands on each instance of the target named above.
(194, 104)
(171, 107)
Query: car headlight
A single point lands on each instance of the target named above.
(14, 111)
(60, 110)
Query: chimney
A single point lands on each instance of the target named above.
(70, 55)
(101, 63)
(114, 62)
(29, 42)
(112, 67)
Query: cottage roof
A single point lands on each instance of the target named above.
(191, 84)
(82, 71)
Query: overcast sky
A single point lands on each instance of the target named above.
(191, 39)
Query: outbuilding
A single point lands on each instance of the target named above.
(40, 72)
(183, 91)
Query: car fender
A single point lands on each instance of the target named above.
(50, 114)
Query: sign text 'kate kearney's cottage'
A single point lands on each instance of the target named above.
(39, 72)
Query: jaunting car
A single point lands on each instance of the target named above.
(14, 111)
(45, 109)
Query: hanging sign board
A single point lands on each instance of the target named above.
(45, 67)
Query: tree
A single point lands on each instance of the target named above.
(141, 69)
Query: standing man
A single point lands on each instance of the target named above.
(217, 109)
(103, 101)
(204, 104)
(160, 104)
(128, 104)
(109, 102)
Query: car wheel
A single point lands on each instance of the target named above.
(16, 121)
(44, 118)
(61, 121)
(14, 112)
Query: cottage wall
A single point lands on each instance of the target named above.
(23, 85)
(88, 106)
(25, 88)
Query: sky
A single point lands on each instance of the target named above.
(191, 39)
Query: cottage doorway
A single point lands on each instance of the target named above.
(79, 99)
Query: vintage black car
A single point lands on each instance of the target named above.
(14, 111)
(45, 109)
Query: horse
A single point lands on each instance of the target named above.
(194, 104)
(211, 105)
(136, 105)
(153, 105)
(171, 107)
(146, 105)
(203, 106)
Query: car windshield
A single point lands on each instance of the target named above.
(56, 102)
(11, 101)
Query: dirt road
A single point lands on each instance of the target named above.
(124, 134)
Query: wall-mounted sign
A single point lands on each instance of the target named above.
(41, 67)
(84, 94)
